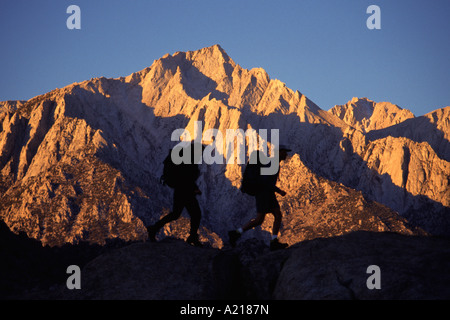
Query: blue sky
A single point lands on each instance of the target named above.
(320, 47)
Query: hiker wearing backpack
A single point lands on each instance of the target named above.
(263, 188)
(182, 178)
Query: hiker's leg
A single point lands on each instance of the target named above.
(254, 222)
(276, 212)
(178, 205)
(262, 207)
(194, 211)
(275, 244)
(234, 235)
(174, 215)
(193, 208)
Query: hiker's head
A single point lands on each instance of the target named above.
(187, 153)
(196, 152)
(283, 152)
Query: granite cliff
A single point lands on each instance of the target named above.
(82, 163)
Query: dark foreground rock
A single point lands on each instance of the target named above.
(168, 270)
(411, 267)
(336, 268)
(28, 269)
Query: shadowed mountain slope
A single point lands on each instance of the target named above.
(82, 163)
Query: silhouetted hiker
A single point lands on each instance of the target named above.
(182, 178)
(263, 187)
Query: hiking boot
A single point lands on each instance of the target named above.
(277, 245)
(193, 240)
(151, 233)
(233, 237)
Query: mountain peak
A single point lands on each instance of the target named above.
(215, 52)
(366, 115)
(64, 154)
(356, 100)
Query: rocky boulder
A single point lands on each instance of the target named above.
(168, 270)
(336, 268)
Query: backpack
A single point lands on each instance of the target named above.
(169, 176)
(250, 179)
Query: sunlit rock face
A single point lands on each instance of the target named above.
(82, 163)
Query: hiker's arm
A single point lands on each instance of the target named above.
(196, 189)
(268, 183)
(278, 190)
